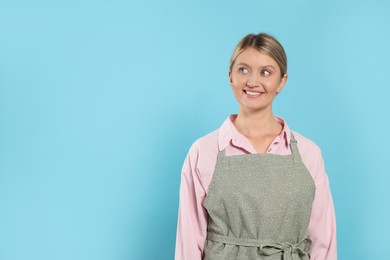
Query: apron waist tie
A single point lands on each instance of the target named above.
(267, 247)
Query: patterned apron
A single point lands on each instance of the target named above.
(259, 207)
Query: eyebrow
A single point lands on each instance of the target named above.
(263, 67)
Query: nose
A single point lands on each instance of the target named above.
(253, 81)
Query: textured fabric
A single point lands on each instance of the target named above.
(259, 207)
(198, 170)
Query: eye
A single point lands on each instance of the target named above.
(265, 72)
(243, 70)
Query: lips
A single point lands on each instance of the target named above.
(253, 93)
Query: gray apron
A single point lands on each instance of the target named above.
(259, 207)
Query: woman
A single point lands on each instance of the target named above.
(254, 189)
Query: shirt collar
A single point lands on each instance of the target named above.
(228, 133)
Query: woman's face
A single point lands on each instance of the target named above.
(255, 80)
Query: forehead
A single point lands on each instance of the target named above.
(253, 57)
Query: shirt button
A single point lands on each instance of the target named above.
(269, 150)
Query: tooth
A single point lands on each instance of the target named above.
(252, 93)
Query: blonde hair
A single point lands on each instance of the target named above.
(265, 44)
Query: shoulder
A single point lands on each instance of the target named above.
(311, 155)
(202, 155)
(305, 144)
(206, 142)
(205, 145)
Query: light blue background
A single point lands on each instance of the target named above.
(101, 100)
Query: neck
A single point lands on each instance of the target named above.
(258, 123)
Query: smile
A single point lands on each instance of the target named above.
(253, 93)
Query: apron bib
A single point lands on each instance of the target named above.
(259, 207)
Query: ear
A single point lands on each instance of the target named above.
(283, 81)
(230, 77)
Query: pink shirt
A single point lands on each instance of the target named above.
(198, 171)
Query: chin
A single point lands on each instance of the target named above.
(255, 108)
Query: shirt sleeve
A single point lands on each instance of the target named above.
(192, 216)
(322, 226)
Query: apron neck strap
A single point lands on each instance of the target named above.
(293, 145)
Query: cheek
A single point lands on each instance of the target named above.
(236, 86)
(273, 84)
(238, 81)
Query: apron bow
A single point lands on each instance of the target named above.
(288, 250)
